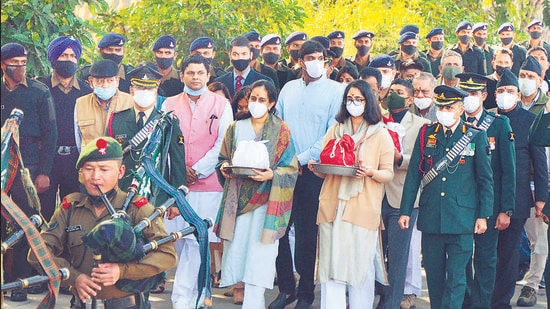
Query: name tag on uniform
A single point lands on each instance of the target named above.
(492, 143)
(470, 150)
(73, 228)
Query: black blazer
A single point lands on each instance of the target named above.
(228, 80)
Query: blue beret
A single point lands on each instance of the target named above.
(253, 36)
(465, 25)
(435, 31)
(295, 36)
(270, 39)
(535, 22)
(363, 33)
(111, 39)
(12, 50)
(505, 27)
(165, 41)
(60, 44)
(507, 78)
(104, 68)
(382, 61)
(531, 64)
(336, 35)
(202, 42)
(409, 28)
(407, 36)
(480, 26)
(445, 95)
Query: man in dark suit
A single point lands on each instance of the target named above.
(241, 75)
(528, 158)
(457, 201)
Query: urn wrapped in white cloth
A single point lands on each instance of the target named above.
(251, 154)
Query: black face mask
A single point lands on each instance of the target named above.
(408, 49)
(116, 58)
(464, 39)
(255, 53)
(500, 69)
(480, 41)
(240, 64)
(363, 50)
(506, 41)
(337, 51)
(437, 45)
(270, 58)
(164, 63)
(16, 72)
(535, 35)
(65, 69)
(295, 54)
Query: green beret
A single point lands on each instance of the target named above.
(100, 149)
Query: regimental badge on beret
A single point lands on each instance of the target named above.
(210, 45)
(172, 44)
(101, 145)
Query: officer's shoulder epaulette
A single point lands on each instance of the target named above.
(140, 201)
(70, 199)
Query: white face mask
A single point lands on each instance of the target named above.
(422, 103)
(257, 109)
(506, 100)
(386, 81)
(446, 118)
(527, 86)
(471, 103)
(145, 98)
(315, 68)
(355, 110)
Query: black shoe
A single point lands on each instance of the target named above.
(302, 304)
(282, 301)
(18, 295)
(37, 289)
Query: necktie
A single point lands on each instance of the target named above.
(448, 133)
(140, 120)
(239, 83)
(471, 119)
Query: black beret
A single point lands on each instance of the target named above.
(506, 27)
(435, 31)
(104, 68)
(479, 26)
(507, 78)
(336, 35)
(270, 39)
(445, 95)
(531, 64)
(535, 22)
(382, 61)
(202, 42)
(100, 149)
(295, 36)
(409, 28)
(145, 75)
(253, 36)
(464, 25)
(12, 50)
(472, 81)
(363, 33)
(407, 36)
(165, 41)
(111, 39)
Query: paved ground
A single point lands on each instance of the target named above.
(162, 301)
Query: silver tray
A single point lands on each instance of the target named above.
(335, 169)
(240, 171)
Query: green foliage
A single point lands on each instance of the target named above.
(146, 20)
(35, 23)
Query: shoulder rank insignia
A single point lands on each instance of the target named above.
(432, 141)
(65, 203)
(142, 200)
(512, 136)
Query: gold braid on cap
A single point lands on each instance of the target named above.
(147, 83)
(471, 85)
(441, 100)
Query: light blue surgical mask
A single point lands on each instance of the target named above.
(194, 93)
(105, 93)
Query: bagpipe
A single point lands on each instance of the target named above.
(11, 164)
(133, 247)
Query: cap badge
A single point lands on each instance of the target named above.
(121, 43)
(101, 145)
(171, 44)
(209, 45)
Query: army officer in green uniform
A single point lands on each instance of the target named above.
(454, 169)
(503, 164)
(100, 164)
(125, 125)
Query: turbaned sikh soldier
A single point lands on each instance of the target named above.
(100, 165)
(453, 167)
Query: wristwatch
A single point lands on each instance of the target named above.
(509, 213)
